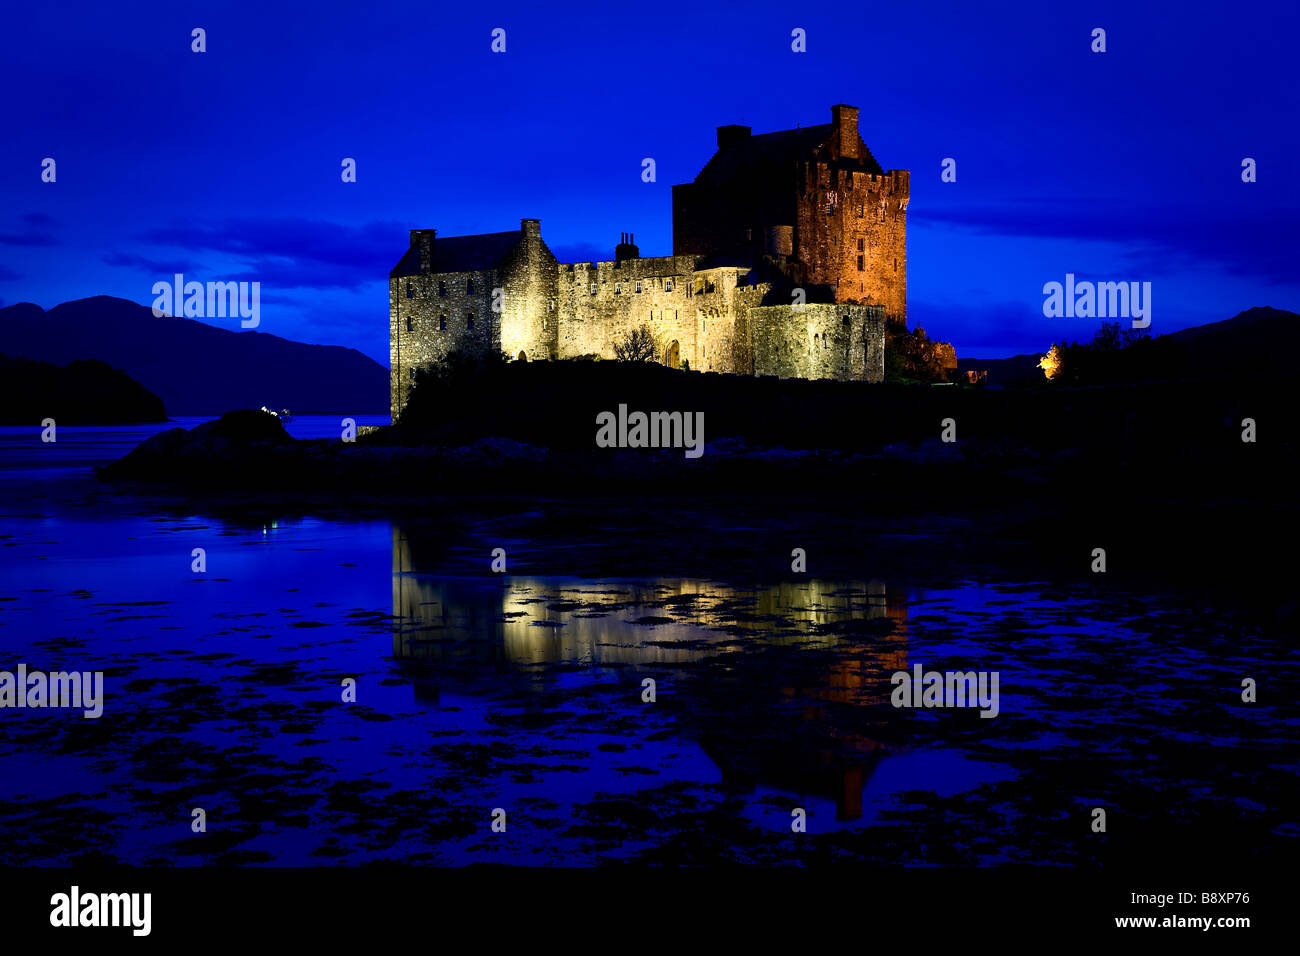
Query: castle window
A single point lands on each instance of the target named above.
(860, 210)
(412, 373)
(638, 285)
(618, 288)
(895, 265)
(469, 320)
(410, 324)
(442, 323)
(593, 288)
(861, 244)
(442, 289)
(469, 286)
(410, 291)
(668, 285)
(551, 305)
(860, 265)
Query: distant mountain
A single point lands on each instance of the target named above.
(83, 393)
(1259, 341)
(197, 369)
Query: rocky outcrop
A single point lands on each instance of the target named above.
(81, 393)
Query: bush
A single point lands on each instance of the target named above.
(637, 346)
(915, 357)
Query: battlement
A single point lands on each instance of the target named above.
(803, 208)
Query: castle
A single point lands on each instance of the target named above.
(789, 258)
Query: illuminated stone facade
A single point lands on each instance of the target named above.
(815, 195)
(747, 257)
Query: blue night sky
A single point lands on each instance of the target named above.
(226, 164)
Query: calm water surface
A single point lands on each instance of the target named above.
(525, 691)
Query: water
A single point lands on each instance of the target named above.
(525, 692)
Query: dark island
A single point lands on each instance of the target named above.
(86, 392)
(1175, 474)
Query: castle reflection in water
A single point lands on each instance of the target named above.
(813, 717)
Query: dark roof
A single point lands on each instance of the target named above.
(755, 155)
(462, 253)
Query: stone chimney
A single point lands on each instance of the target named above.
(531, 228)
(845, 121)
(626, 248)
(422, 239)
(729, 136)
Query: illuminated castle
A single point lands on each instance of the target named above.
(789, 257)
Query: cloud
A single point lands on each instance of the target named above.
(1160, 239)
(33, 232)
(296, 253)
(166, 267)
(28, 238)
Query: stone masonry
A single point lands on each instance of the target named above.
(789, 258)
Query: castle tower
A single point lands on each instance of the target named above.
(528, 309)
(815, 196)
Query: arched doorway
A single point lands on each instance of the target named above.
(523, 356)
(673, 359)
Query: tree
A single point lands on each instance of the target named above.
(1114, 355)
(1052, 363)
(1108, 338)
(637, 346)
(914, 356)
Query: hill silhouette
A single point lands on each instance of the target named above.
(1259, 341)
(197, 369)
(82, 393)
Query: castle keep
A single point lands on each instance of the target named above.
(789, 256)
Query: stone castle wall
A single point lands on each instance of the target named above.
(692, 314)
(710, 320)
(592, 323)
(845, 342)
(809, 211)
(529, 307)
(852, 233)
(419, 307)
